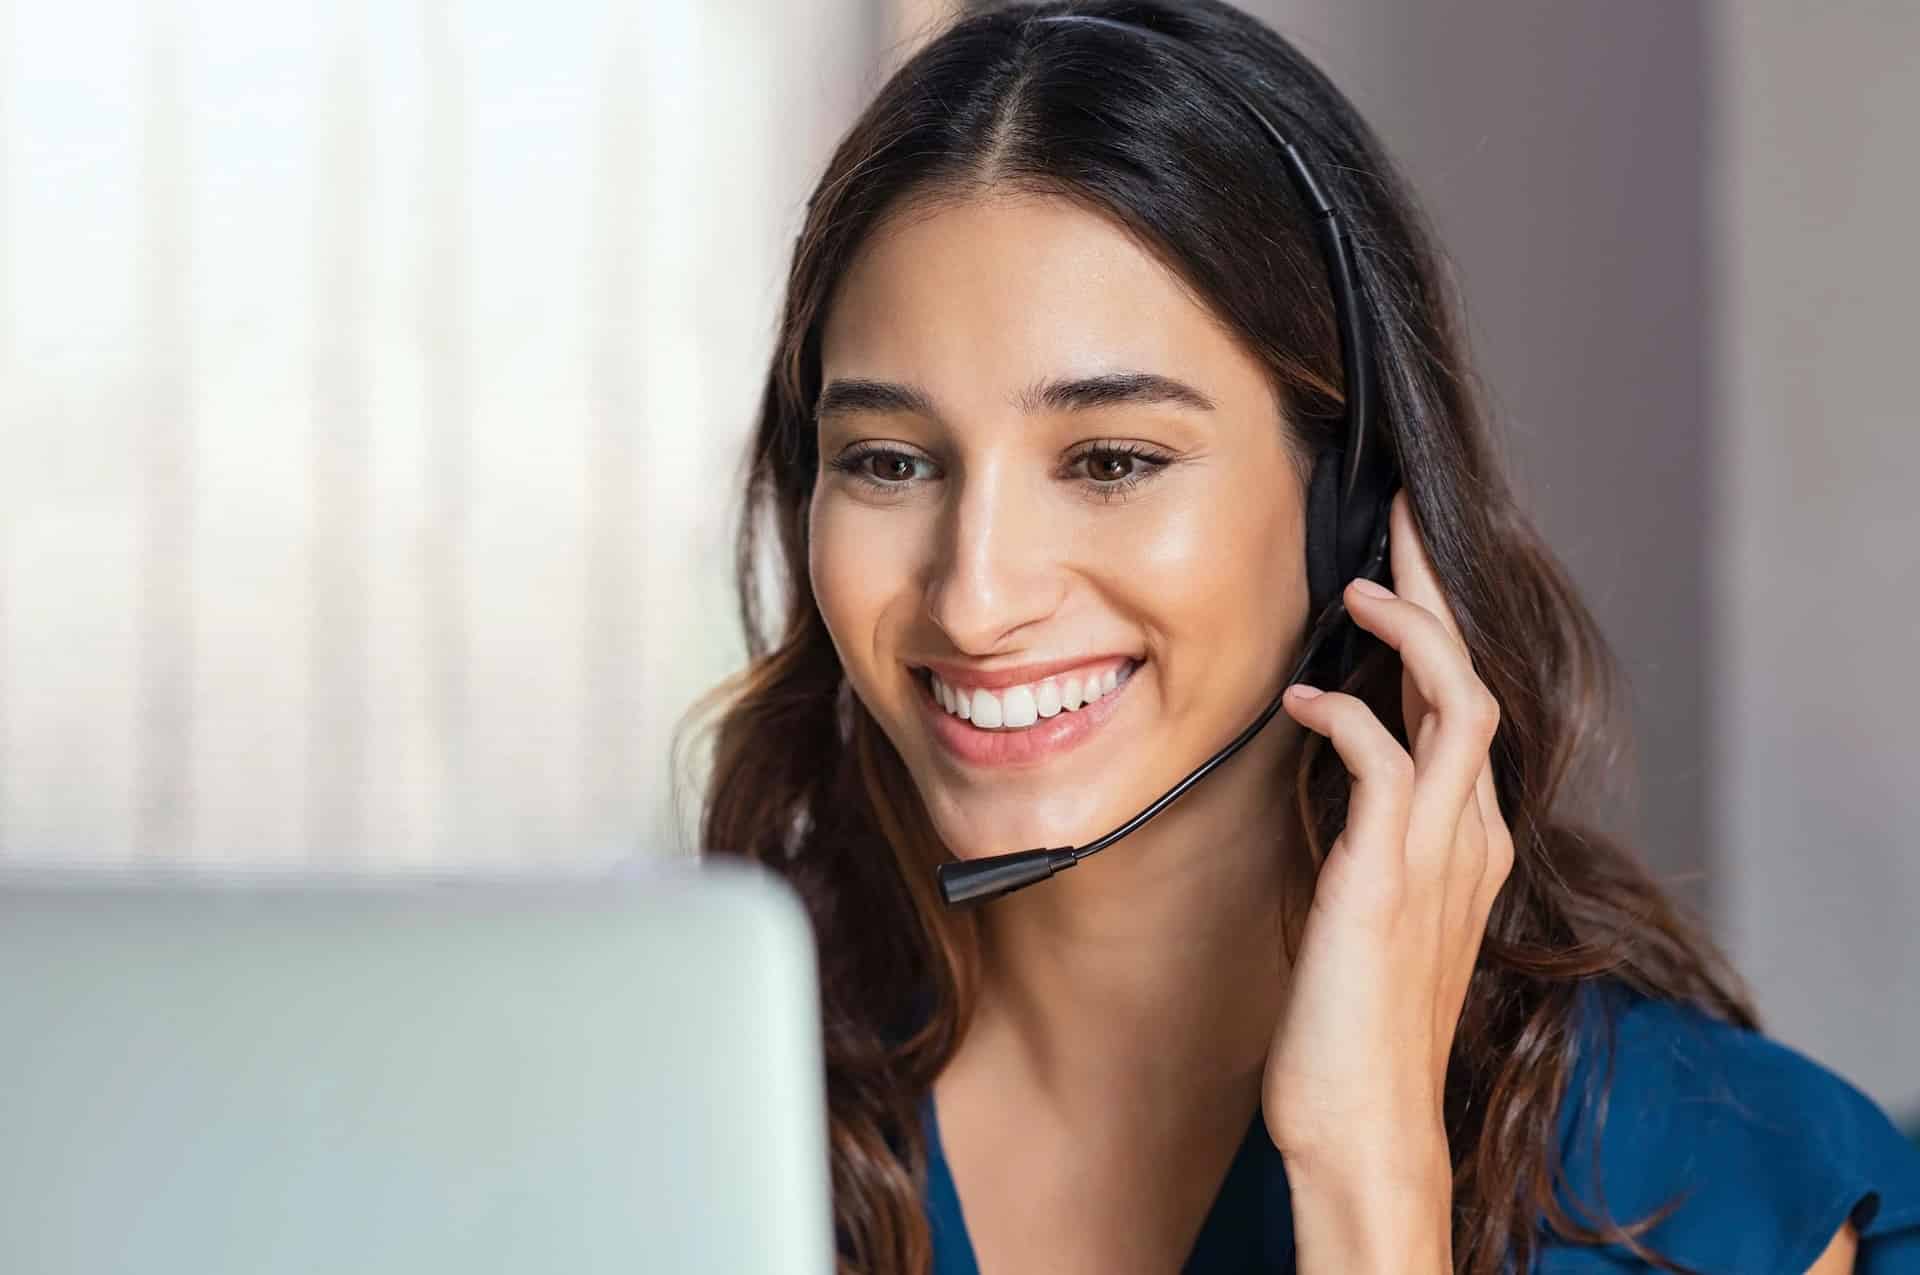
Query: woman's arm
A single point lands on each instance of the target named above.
(1838, 1259)
(1366, 1225)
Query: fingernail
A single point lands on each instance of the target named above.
(1300, 690)
(1371, 589)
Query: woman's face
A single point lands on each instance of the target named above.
(1054, 591)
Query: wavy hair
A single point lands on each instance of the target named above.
(804, 782)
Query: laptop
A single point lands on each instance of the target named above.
(267, 1073)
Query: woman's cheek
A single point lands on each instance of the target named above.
(1181, 539)
(826, 562)
(855, 569)
(1174, 566)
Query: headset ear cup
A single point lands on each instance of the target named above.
(1323, 531)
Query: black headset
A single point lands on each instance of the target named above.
(1347, 505)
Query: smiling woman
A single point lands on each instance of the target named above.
(1115, 522)
(1058, 364)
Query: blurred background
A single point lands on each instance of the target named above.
(373, 380)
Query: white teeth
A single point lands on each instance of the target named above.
(1018, 707)
(1046, 700)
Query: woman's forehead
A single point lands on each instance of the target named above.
(989, 297)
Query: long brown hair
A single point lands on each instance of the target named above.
(804, 781)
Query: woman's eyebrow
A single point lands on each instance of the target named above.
(852, 396)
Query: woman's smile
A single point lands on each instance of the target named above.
(990, 719)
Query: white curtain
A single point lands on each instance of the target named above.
(373, 378)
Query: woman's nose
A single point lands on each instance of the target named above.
(996, 568)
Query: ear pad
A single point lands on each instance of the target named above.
(1324, 580)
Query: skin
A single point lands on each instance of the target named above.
(1138, 1010)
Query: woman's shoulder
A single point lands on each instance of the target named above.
(1767, 1151)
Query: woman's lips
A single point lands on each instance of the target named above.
(1039, 742)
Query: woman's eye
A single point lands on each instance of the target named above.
(883, 466)
(1106, 471)
(1110, 471)
(890, 467)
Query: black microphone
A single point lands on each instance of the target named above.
(976, 880)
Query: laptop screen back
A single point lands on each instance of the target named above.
(301, 1076)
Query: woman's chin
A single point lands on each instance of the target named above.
(977, 823)
(983, 841)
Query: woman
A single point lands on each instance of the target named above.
(1061, 358)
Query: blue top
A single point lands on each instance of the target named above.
(1775, 1150)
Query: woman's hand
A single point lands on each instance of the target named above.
(1356, 1074)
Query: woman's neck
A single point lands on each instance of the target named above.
(1154, 970)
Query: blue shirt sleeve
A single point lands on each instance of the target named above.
(1767, 1150)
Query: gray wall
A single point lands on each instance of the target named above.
(1817, 539)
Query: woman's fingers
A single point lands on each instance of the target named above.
(1414, 579)
(1499, 864)
(1451, 721)
(1452, 740)
(1413, 575)
(1375, 836)
(1467, 897)
(1461, 880)
(1481, 821)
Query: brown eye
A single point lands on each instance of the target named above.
(1113, 468)
(886, 468)
(890, 467)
